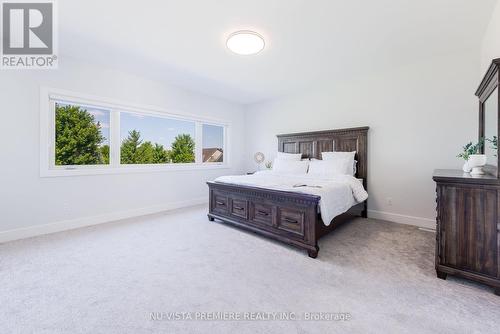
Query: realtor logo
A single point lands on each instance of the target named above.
(28, 35)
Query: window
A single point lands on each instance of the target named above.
(213, 143)
(156, 140)
(81, 135)
(87, 135)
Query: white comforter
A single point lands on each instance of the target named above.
(337, 195)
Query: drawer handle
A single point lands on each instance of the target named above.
(220, 203)
(239, 208)
(289, 220)
(262, 213)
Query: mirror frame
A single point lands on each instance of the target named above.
(488, 85)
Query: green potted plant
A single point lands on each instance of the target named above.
(474, 161)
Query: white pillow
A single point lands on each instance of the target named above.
(336, 155)
(329, 168)
(290, 166)
(351, 164)
(289, 156)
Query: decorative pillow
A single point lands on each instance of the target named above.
(289, 156)
(290, 166)
(329, 168)
(349, 156)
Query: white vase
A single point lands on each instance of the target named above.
(466, 167)
(476, 163)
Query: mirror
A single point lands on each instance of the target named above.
(489, 116)
(491, 128)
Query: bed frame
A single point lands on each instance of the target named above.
(291, 217)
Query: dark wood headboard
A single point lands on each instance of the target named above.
(311, 144)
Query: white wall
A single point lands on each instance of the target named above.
(27, 200)
(419, 116)
(491, 42)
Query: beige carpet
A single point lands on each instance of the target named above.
(110, 278)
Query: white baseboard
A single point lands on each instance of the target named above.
(403, 219)
(71, 224)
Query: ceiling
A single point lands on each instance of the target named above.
(308, 42)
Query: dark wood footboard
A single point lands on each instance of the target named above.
(285, 216)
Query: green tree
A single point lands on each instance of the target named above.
(129, 148)
(135, 151)
(182, 149)
(145, 153)
(160, 155)
(78, 137)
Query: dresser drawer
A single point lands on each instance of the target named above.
(291, 220)
(262, 214)
(239, 208)
(220, 203)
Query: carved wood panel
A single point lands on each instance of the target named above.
(307, 148)
(325, 145)
(289, 147)
(346, 144)
(468, 229)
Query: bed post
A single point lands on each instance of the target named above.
(313, 253)
(362, 168)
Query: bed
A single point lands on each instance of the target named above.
(289, 216)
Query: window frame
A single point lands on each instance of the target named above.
(224, 131)
(48, 168)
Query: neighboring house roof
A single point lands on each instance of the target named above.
(214, 154)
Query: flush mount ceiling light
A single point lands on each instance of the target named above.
(245, 42)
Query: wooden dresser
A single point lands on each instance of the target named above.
(467, 226)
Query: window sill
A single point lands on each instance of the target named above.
(128, 169)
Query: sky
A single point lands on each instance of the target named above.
(154, 129)
(213, 136)
(101, 116)
(163, 130)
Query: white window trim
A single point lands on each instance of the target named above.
(47, 139)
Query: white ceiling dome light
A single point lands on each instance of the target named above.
(245, 42)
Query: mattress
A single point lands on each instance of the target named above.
(338, 194)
